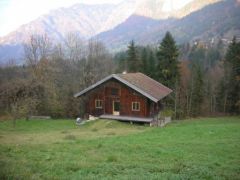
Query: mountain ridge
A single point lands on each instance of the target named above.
(215, 21)
(98, 21)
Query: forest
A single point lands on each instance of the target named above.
(205, 77)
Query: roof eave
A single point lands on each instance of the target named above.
(124, 82)
(135, 88)
(92, 86)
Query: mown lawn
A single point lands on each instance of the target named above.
(58, 149)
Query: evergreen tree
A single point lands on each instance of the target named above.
(232, 77)
(147, 61)
(197, 89)
(121, 61)
(221, 95)
(144, 59)
(213, 56)
(134, 64)
(197, 53)
(151, 65)
(167, 55)
(167, 71)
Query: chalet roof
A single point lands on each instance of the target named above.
(137, 81)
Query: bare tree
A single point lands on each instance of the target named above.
(38, 48)
(74, 47)
(98, 63)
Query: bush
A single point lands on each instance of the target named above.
(167, 113)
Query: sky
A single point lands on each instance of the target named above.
(14, 13)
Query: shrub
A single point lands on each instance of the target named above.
(167, 113)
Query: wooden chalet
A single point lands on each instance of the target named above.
(131, 97)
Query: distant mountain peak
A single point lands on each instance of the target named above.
(138, 17)
(163, 9)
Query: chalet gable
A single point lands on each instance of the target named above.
(139, 82)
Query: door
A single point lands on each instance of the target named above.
(116, 108)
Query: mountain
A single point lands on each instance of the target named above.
(162, 9)
(146, 21)
(85, 20)
(214, 21)
(133, 28)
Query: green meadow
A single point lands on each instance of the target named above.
(206, 148)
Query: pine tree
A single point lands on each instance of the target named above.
(221, 95)
(197, 53)
(197, 89)
(144, 59)
(148, 61)
(151, 65)
(232, 77)
(121, 61)
(134, 64)
(167, 70)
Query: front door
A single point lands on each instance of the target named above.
(116, 108)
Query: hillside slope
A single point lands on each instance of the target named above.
(214, 21)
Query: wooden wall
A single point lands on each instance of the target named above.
(126, 96)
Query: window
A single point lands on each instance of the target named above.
(135, 106)
(98, 104)
(114, 92)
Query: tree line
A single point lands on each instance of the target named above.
(50, 76)
(205, 80)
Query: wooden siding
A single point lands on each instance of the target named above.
(125, 96)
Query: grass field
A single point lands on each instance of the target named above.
(58, 149)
